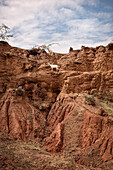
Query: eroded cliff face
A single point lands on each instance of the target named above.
(69, 111)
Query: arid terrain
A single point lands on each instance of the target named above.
(56, 119)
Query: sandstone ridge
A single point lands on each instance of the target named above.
(68, 112)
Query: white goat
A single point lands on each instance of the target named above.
(53, 67)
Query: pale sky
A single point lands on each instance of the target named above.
(67, 22)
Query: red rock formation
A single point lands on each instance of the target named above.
(97, 130)
(20, 119)
(67, 112)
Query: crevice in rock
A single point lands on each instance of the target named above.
(7, 114)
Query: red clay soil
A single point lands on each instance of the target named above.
(56, 119)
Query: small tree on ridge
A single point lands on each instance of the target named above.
(4, 35)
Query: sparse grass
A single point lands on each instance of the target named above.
(95, 93)
(61, 162)
(28, 155)
(108, 108)
(76, 112)
(90, 99)
(109, 97)
(30, 147)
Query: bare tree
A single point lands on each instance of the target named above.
(4, 32)
(47, 47)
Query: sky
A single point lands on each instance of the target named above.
(68, 23)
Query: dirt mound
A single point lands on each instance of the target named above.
(67, 112)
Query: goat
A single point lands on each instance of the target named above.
(53, 67)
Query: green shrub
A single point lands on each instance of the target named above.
(90, 100)
(108, 108)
